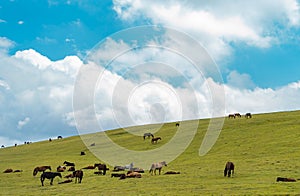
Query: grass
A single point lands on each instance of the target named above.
(262, 148)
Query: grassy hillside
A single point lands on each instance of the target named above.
(262, 148)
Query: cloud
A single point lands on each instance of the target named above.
(5, 44)
(23, 122)
(241, 81)
(20, 22)
(2, 21)
(217, 25)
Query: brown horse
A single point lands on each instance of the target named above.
(231, 116)
(61, 168)
(155, 139)
(78, 174)
(8, 170)
(40, 169)
(228, 168)
(238, 115)
(102, 167)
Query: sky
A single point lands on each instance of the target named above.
(44, 46)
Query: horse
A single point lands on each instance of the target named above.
(40, 169)
(248, 115)
(231, 116)
(148, 135)
(171, 172)
(72, 168)
(78, 174)
(49, 175)
(89, 167)
(8, 170)
(61, 168)
(122, 168)
(238, 115)
(228, 168)
(285, 179)
(155, 140)
(132, 174)
(177, 124)
(102, 167)
(69, 163)
(157, 166)
(59, 137)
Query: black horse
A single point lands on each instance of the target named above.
(49, 175)
(148, 135)
(228, 168)
(69, 163)
(248, 115)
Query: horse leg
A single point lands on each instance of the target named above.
(159, 170)
(229, 173)
(42, 181)
(51, 182)
(225, 172)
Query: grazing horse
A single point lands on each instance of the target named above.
(49, 175)
(231, 116)
(238, 115)
(228, 168)
(69, 163)
(157, 166)
(59, 137)
(102, 167)
(248, 115)
(177, 124)
(78, 174)
(40, 169)
(155, 140)
(148, 135)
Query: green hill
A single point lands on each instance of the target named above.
(262, 148)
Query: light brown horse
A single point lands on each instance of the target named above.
(40, 169)
(157, 166)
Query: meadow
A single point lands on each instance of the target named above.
(262, 148)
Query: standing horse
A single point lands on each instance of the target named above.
(148, 135)
(248, 115)
(40, 169)
(228, 168)
(238, 115)
(78, 174)
(155, 140)
(102, 167)
(49, 175)
(157, 166)
(231, 116)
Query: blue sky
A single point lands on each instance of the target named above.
(43, 44)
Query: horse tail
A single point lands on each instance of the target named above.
(35, 171)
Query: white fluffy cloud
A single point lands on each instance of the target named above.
(217, 24)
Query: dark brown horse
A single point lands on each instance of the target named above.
(154, 140)
(231, 116)
(228, 168)
(40, 169)
(78, 174)
(238, 115)
(49, 175)
(102, 167)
